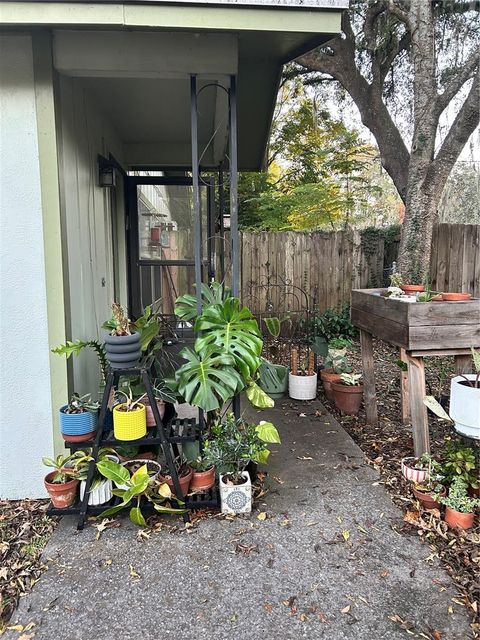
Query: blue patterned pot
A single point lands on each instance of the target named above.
(77, 424)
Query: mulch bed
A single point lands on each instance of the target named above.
(24, 532)
(385, 446)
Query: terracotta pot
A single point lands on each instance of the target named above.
(427, 500)
(83, 438)
(457, 519)
(348, 398)
(455, 297)
(149, 412)
(62, 495)
(328, 376)
(412, 288)
(203, 480)
(185, 481)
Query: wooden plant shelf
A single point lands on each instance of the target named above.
(419, 329)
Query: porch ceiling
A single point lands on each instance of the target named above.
(139, 74)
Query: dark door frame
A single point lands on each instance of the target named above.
(132, 240)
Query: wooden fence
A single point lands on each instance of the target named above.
(328, 265)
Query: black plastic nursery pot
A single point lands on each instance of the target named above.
(123, 352)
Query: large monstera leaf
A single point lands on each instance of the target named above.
(234, 330)
(209, 378)
(186, 306)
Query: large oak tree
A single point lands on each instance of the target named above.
(435, 43)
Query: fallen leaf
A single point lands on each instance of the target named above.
(302, 617)
(133, 573)
(262, 516)
(346, 534)
(304, 458)
(346, 609)
(268, 607)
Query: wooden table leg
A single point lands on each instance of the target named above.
(404, 391)
(369, 394)
(463, 364)
(416, 382)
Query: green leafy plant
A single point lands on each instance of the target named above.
(81, 404)
(225, 358)
(138, 485)
(75, 348)
(81, 463)
(433, 477)
(129, 403)
(460, 462)
(119, 324)
(234, 443)
(64, 473)
(333, 323)
(337, 344)
(186, 305)
(351, 379)
(396, 280)
(208, 378)
(458, 498)
(338, 363)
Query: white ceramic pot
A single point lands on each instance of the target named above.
(237, 498)
(465, 406)
(410, 473)
(99, 495)
(302, 387)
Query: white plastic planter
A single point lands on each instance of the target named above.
(302, 387)
(99, 495)
(465, 406)
(237, 498)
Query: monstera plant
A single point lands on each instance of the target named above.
(226, 356)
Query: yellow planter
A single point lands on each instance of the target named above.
(129, 425)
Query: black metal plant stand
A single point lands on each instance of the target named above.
(174, 432)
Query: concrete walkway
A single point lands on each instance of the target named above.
(325, 563)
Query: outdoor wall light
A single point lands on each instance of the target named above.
(106, 173)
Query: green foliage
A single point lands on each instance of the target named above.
(273, 326)
(458, 498)
(76, 347)
(321, 174)
(61, 463)
(186, 305)
(226, 356)
(334, 323)
(81, 404)
(208, 378)
(351, 379)
(235, 331)
(234, 443)
(460, 462)
(137, 486)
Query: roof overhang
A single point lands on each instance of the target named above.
(249, 38)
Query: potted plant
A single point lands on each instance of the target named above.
(129, 418)
(139, 487)
(460, 507)
(233, 444)
(79, 418)
(414, 469)
(185, 474)
(203, 477)
(100, 491)
(62, 483)
(460, 462)
(348, 393)
(336, 363)
(465, 401)
(302, 381)
(430, 490)
(410, 289)
(122, 345)
(162, 395)
(273, 379)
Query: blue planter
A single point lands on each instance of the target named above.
(77, 424)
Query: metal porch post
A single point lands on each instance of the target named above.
(235, 262)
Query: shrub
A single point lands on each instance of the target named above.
(334, 323)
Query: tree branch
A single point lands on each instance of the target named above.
(456, 83)
(462, 128)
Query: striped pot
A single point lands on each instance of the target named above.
(410, 473)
